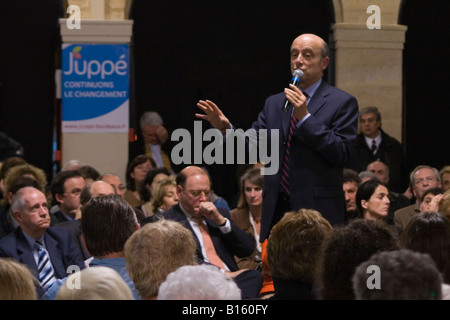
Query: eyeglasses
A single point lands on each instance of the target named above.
(421, 180)
(197, 193)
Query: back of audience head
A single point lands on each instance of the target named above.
(95, 283)
(346, 248)
(294, 245)
(403, 275)
(198, 282)
(16, 281)
(89, 173)
(372, 200)
(154, 251)
(108, 221)
(367, 175)
(72, 165)
(429, 232)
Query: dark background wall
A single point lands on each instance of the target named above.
(233, 52)
(29, 38)
(426, 63)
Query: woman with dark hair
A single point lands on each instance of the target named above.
(136, 171)
(147, 188)
(247, 216)
(372, 200)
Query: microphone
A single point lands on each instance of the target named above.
(296, 78)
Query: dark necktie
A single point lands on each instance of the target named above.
(374, 147)
(45, 269)
(285, 166)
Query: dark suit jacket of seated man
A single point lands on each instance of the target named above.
(58, 242)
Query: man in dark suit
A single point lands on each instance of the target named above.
(195, 208)
(373, 144)
(325, 120)
(30, 209)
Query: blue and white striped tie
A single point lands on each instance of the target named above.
(45, 269)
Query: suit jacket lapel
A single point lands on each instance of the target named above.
(55, 255)
(25, 253)
(319, 98)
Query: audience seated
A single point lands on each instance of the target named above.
(247, 216)
(198, 282)
(344, 250)
(422, 177)
(135, 174)
(165, 195)
(372, 200)
(402, 275)
(350, 186)
(156, 250)
(7, 221)
(95, 283)
(218, 238)
(66, 188)
(16, 281)
(90, 190)
(47, 251)
(398, 200)
(147, 187)
(293, 250)
(106, 224)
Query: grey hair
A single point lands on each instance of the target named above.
(435, 171)
(151, 118)
(370, 109)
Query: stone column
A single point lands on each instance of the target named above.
(107, 152)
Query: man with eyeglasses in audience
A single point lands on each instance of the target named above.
(422, 178)
(66, 188)
(197, 213)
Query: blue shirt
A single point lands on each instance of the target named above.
(117, 264)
